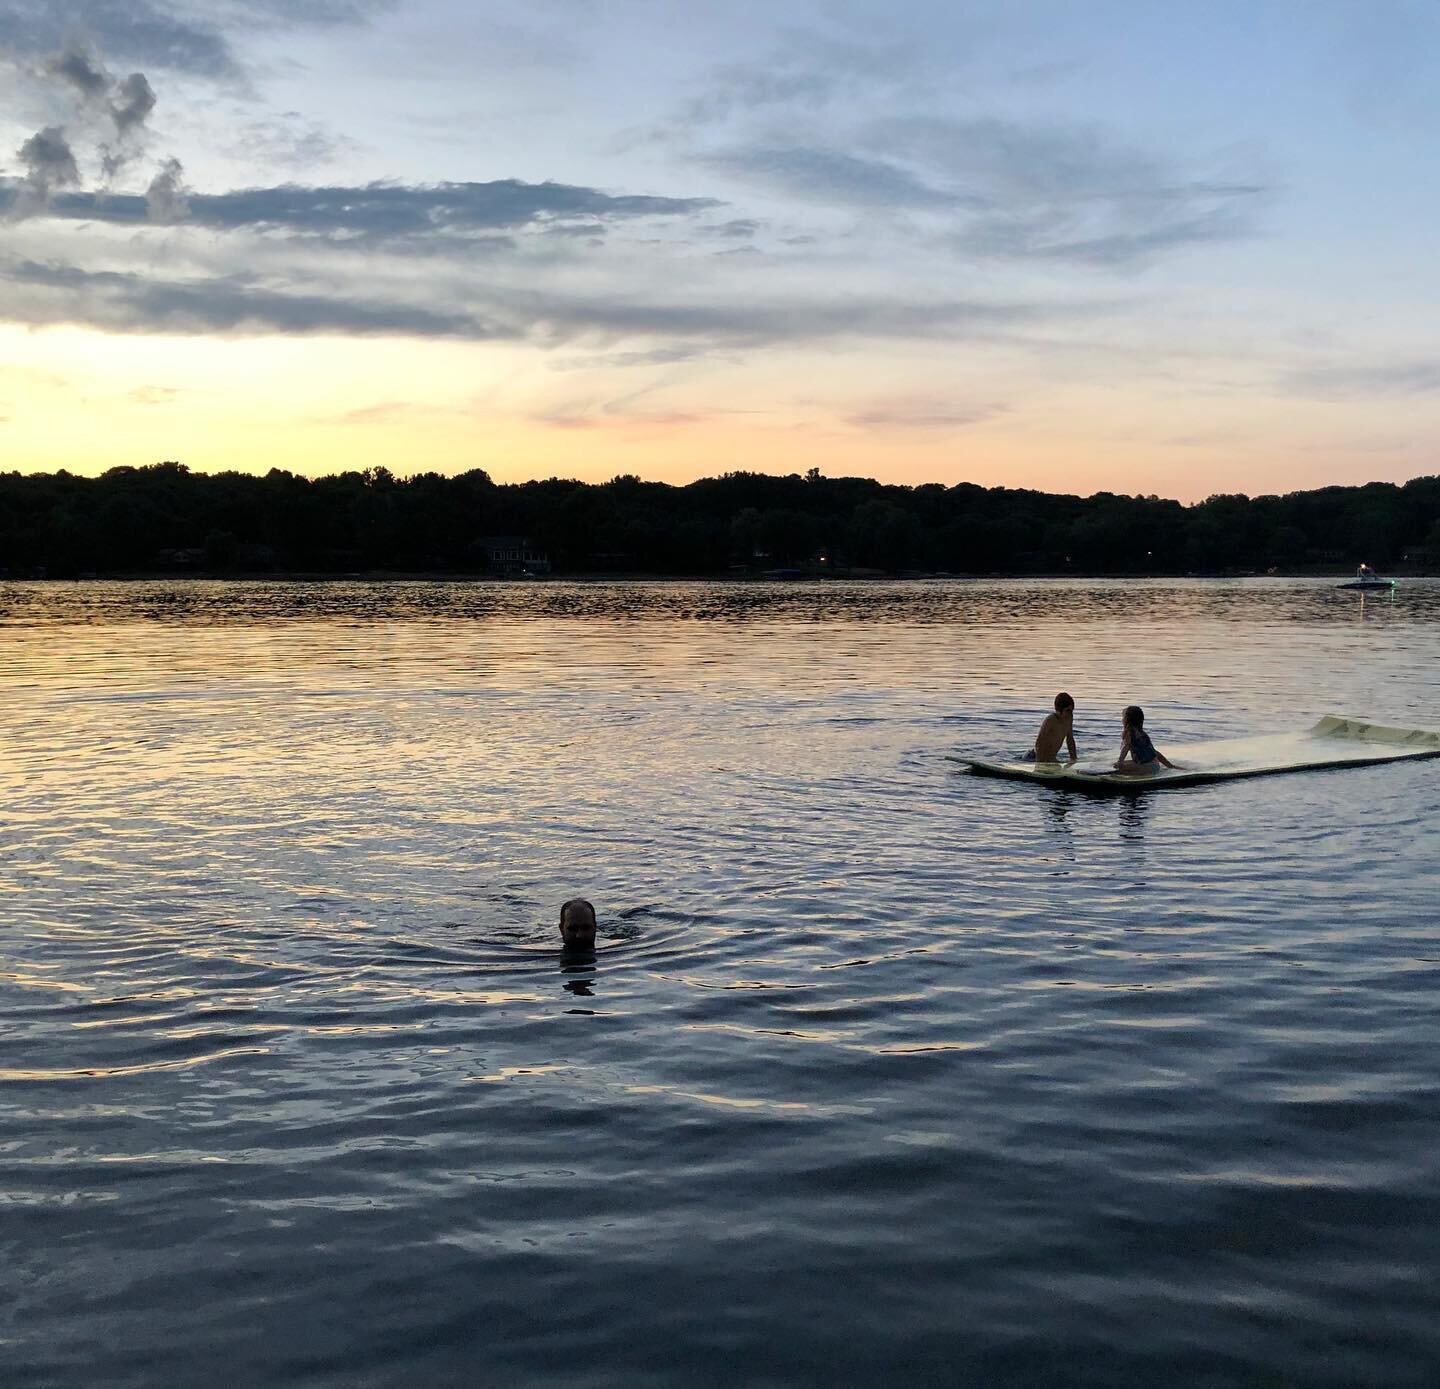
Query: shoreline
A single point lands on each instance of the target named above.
(712, 576)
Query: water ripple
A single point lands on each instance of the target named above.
(878, 1072)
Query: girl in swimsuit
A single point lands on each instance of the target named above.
(1138, 755)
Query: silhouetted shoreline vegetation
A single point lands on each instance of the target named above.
(167, 519)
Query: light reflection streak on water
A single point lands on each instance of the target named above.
(991, 1079)
(103, 1072)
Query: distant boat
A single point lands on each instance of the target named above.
(1368, 581)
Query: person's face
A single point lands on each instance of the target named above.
(577, 928)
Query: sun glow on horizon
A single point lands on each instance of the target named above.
(84, 401)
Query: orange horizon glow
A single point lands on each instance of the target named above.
(86, 401)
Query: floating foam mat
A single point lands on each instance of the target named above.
(1332, 742)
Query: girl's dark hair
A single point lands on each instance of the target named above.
(1135, 716)
(1063, 702)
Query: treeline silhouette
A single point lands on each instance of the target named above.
(167, 518)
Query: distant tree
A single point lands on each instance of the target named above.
(1287, 545)
(222, 550)
(786, 535)
(129, 517)
(745, 533)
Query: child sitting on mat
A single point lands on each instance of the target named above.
(1138, 755)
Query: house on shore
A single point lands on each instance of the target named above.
(512, 555)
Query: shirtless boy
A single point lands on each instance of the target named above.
(1057, 728)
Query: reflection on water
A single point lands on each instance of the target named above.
(1133, 811)
(876, 1065)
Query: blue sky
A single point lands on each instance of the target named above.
(1137, 247)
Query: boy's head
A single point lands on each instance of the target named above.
(1063, 703)
(1134, 716)
(577, 923)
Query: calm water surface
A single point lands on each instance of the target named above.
(881, 1075)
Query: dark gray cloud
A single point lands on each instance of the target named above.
(165, 199)
(132, 103)
(1363, 381)
(133, 31)
(190, 36)
(77, 68)
(388, 210)
(737, 229)
(48, 157)
(94, 96)
(400, 210)
(49, 166)
(833, 176)
(127, 302)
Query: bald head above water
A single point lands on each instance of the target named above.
(577, 922)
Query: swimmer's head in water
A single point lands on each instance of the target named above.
(1063, 702)
(577, 922)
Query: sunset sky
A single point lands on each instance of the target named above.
(1145, 247)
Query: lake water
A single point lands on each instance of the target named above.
(882, 1073)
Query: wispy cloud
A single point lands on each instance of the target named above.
(828, 175)
(587, 417)
(668, 355)
(1011, 191)
(551, 314)
(381, 412)
(1009, 161)
(153, 395)
(1363, 381)
(929, 412)
(288, 140)
(1111, 236)
(807, 69)
(1072, 193)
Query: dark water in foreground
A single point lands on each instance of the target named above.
(882, 1075)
